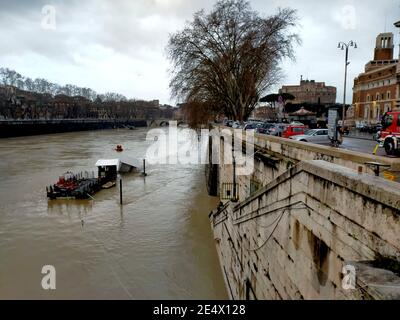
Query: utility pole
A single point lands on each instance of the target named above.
(120, 191)
(144, 174)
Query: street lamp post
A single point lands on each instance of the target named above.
(345, 46)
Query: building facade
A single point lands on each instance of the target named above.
(263, 113)
(376, 90)
(311, 92)
(16, 104)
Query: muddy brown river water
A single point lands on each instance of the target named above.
(158, 245)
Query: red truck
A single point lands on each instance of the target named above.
(293, 130)
(390, 133)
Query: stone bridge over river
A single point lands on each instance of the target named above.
(311, 222)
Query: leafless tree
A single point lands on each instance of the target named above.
(196, 113)
(229, 57)
(10, 77)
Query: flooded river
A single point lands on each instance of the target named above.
(158, 245)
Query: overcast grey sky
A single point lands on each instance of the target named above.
(119, 45)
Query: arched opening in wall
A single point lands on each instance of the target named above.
(320, 252)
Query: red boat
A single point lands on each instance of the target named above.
(119, 148)
(73, 186)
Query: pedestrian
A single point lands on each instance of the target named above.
(340, 135)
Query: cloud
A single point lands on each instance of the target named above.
(120, 45)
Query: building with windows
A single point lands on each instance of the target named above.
(376, 90)
(311, 92)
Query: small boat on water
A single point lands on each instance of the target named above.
(85, 185)
(119, 148)
(74, 186)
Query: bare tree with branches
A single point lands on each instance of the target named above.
(230, 56)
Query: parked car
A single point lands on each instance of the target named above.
(277, 129)
(263, 128)
(294, 130)
(313, 135)
(236, 125)
(371, 128)
(229, 123)
(360, 124)
(252, 126)
(225, 122)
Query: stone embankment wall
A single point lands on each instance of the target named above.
(304, 214)
(17, 128)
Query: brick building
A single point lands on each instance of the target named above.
(20, 104)
(376, 90)
(311, 92)
(263, 113)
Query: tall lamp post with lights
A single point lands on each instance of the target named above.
(345, 46)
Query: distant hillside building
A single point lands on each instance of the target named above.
(376, 90)
(311, 92)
